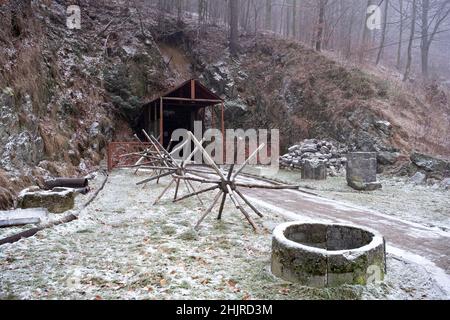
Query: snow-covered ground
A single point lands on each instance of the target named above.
(123, 247)
(427, 205)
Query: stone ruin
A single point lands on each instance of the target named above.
(362, 171)
(58, 200)
(320, 255)
(314, 170)
(325, 155)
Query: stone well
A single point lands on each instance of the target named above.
(321, 255)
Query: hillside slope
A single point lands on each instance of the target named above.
(64, 94)
(280, 83)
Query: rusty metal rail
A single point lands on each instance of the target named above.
(125, 154)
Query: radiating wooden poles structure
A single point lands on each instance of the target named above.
(168, 166)
(225, 183)
(227, 186)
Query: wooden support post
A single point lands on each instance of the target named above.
(193, 89)
(223, 133)
(110, 157)
(149, 118)
(155, 121)
(161, 121)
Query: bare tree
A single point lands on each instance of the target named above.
(320, 24)
(268, 19)
(431, 22)
(383, 33)
(400, 41)
(294, 18)
(411, 40)
(340, 26)
(365, 36)
(234, 26)
(180, 11)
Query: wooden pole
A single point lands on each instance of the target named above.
(209, 209)
(193, 89)
(196, 193)
(222, 206)
(155, 120)
(161, 121)
(109, 157)
(249, 203)
(223, 133)
(164, 192)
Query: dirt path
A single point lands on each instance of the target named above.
(404, 238)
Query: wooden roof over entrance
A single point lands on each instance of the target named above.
(192, 97)
(190, 93)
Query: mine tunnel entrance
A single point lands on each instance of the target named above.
(179, 109)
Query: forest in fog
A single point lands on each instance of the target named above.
(412, 36)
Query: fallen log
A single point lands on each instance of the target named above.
(73, 183)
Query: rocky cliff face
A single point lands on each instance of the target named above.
(65, 93)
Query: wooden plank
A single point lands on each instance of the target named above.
(191, 100)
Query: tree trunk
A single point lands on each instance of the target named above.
(288, 21)
(234, 25)
(180, 11)
(399, 49)
(383, 34)
(281, 17)
(424, 44)
(411, 40)
(425, 52)
(321, 23)
(268, 19)
(294, 18)
(365, 36)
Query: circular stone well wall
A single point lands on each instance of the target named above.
(322, 255)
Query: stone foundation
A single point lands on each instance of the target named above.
(319, 255)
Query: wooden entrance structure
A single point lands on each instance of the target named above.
(179, 109)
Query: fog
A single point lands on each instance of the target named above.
(410, 36)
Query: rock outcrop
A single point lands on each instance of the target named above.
(433, 167)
